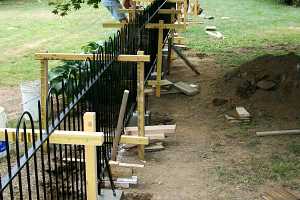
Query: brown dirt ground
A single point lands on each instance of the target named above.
(206, 145)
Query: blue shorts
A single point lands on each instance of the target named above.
(113, 6)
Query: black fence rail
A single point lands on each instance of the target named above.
(33, 168)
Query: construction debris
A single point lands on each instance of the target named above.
(158, 146)
(186, 88)
(241, 116)
(281, 132)
(215, 34)
(242, 113)
(209, 17)
(279, 194)
(122, 182)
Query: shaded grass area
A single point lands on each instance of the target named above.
(254, 28)
(29, 26)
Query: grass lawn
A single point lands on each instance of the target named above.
(29, 26)
(255, 25)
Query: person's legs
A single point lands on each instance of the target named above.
(114, 7)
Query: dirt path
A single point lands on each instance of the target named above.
(208, 159)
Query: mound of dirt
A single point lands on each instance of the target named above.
(138, 196)
(269, 72)
(268, 84)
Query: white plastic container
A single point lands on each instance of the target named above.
(3, 122)
(30, 96)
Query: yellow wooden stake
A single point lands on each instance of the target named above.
(185, 9)
(89, 119)
(159, 56)
(141, 105)
(44, 90)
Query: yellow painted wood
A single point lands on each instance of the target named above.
(131, 139)
(77, 138)
(91, 158)
(169, 11)
(185, 10)
(82, 57)
(44, 89)
(165, 26)
(141, 104)
(113, 24)
(159, 57)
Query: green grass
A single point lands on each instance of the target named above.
(29, 26)
(254, 26)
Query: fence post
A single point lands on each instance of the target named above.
(141, 104)
(44, 90)
(159, 56)
(89, 119)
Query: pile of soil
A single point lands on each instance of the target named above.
(268, 82)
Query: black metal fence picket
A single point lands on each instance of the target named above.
(36, 169)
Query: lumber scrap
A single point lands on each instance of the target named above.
(130, 165)
(151, 130)
(242, 112)
(186, 88)
(279, 132)
(119, 125)
(155, 147)
(279, 194)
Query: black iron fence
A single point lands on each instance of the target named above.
(33, 168)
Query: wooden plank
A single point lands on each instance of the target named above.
(280, 132)
(130, 10)
(44, 90)
(186, 88)
(132, 139)
(119, 125)
(113, 24)
(279, 194)
(83, 57)
(91, 158)
(134, 58)
(131, 165)
(168, 129)
(169, 11)
(76, 138)
(141, 105)
(242, 112)
(164, 82)
(179, 40)
(159, 57)
(165, 26)
(118, 172)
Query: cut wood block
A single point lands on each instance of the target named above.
(186, 88)
(120, 172)
(242, 112)
(122, 182)
(236, 120)
(279, 194)
(130, 165)
(167, 129)
(281, 132)
(215, 34)
(164, 82)
(181, 46)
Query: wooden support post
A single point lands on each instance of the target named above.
(91, 158)
(141, 105)
(44, 90)
(44, 93)
(159, 56)
(185, 10)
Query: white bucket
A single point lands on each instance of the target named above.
(3, 121)
(30, 96)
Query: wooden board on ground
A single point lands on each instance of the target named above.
(280, 132)
(158, 146)
(120, 172)
(158, 129)
(279, 194)
(242, 112)
(186, 88)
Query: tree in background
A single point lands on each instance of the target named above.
(62, 7)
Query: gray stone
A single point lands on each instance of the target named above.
(266, 85)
